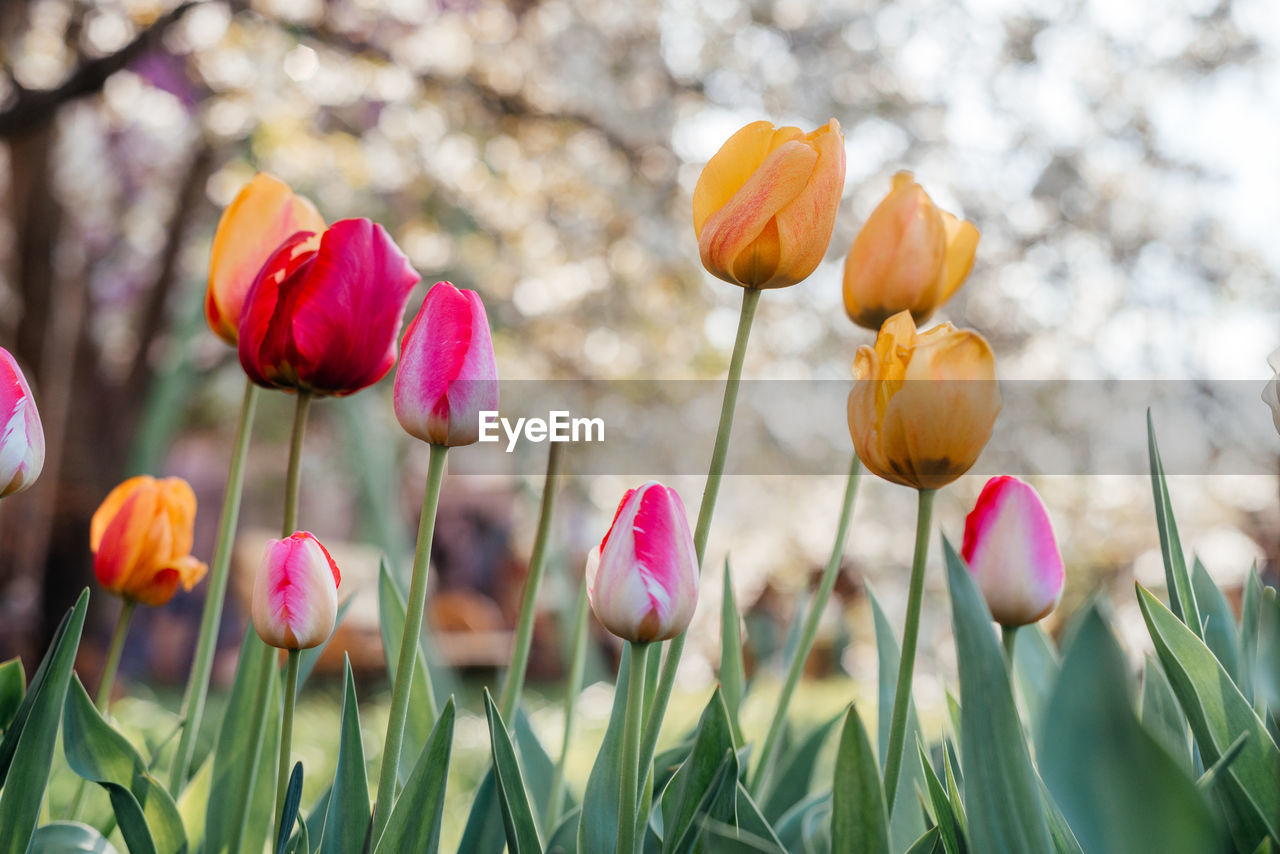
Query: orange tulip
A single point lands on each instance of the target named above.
(910, 256)
(765, 204)
(923, 403)
(141, 539)
(261, 217)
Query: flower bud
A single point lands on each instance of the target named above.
(1011, 552)
(295, 593)
(765, 204)
(22, 440)
(910, 256)
(325, 320)
(447, 374)
(923, 403)
(262, 216)
(141, 538)
(643, 585)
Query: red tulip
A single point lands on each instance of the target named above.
(22, 439)
(448, 373)
(325, 320)
(295, 593)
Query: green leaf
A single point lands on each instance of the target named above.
(1182, 595)
(535, 762)
(905, 824)
(308, 658)
(1118, 788)
(1003, 795)
(346, 818)
(733, 675)
(795, 777)
(718, 803)
(598, 830)
(753, 831)
(13, 685)
(1220, 633)
(943, 812)
(422, 705)
(858, 818)
(1035, 669)
(814, 810)
(1267, 688)
(484, 833)
(1162, 716)
(681, 799)
(1218, 714)
(929, 843)
(564, 839)
(1250, 612)
(289, 813)
(517, 814)
(1060, 833)
(416, 817)
(69, 837)
(26, 754)
(147, 815)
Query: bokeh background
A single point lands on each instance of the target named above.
(1120, 159)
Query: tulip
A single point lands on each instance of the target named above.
(1271, 393)
(262, 216)
(910, 256)
(141, 539)
(1011, 552)
(324, 320)
(765, 204)
(22, 442)
(295, 593)
(923, 403)
(643, 586)
(448, 372)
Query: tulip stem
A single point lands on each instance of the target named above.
(537, 563)
(906, 666)
(294, 477)
(666, 681)
(113, 654)
(628, 804)
(576, 667)
(808, 632)
(409, 645)
(215, 596)
(1009, 634)
(286, 734)
(243, 797)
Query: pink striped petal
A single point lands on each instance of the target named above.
(22, 439)
(295, 593)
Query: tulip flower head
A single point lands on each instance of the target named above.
(923, 403)
(263, 215)
(325, 319)
(141, 538)
(22, 440)
(910, 256)
(1271, 394)
(295, 593)
(1012, 554)
(642, 581)
(447, 374)
(765, 204)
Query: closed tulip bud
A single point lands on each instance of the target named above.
(923, 403)
(263, 215)
(643, 584)
(22, 442)
(765, 204)
(910, 256)
(1271, 393)
(326, 319)
(1012, 554)
(447, 374)
(295, 593)
(141, 538)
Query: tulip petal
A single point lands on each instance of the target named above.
(730, 168)
(295, 593)
(962, 245)
(805, 224)
(22, 441)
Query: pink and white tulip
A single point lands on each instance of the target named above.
(22, 439)
(295, 594)
(643, 584)
(1012, 554)
(447, 373)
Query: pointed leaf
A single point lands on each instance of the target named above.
(69, 837)
(535, 763)
(1182, 596)
(599, 827)
(943, 812)
(289, 813)
(1220, 633)
(718, 803)
(346, 818)
(1163, 718)
(564, 839)
(416, 817)
(1249, 616)
(733, 676)
(517, 814)
(683, 794)
(13, 685)
(795, 777)
(858, 818)
(1035, 669)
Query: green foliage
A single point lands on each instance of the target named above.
(733, 678)
(69, 837)
(414, 826)
(13, 685)
(599, 826)
(289, 812)
(794, 778)
(859, 821)
(422, 705)
(517, 814)
(346, 816)
(681, 801)
(1182, 595)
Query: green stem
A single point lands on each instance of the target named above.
(628, 804)
(1009, 634)
(215, 596)
(409, 644)
(808, 632)
(113, 654)
(906, 666)
(240, 818)
(537, 562)
(294, 476)
(577, 666)
(653, 723)
(286, 733)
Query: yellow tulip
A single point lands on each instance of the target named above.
(923, 403)
(910, 256)
(765, 204)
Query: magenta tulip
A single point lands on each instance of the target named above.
(448, 374)
(295, 593)
(1012, 554)
(644, 585)
(324, 320)
(22, 442)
